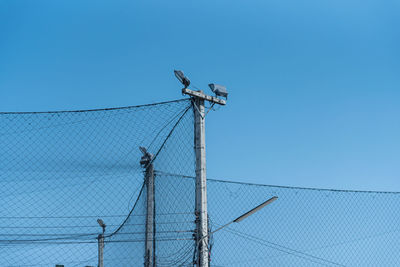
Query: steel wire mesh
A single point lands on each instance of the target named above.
(61, 171)
(304, 227)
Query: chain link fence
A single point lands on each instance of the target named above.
(304, 227)
(61, 171)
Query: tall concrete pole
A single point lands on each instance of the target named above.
(201, 237)
(201, 184)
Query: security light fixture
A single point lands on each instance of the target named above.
(241, 217)
(219, 90)
(146, 158)
(254, 210)
(102, 224)
(143, 149)
(182, 78)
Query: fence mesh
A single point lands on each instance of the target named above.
(304, 227)
(61, 171)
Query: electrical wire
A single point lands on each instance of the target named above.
(61, 242)
(83, 226)
(90, 216)
(278, 186)
(127, 233)
(284, 249)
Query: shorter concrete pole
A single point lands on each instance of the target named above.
(100, 240)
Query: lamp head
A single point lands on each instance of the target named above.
(101, 223)
(254, 210)
(182, 78)
(218, 90)
(143, 149)
(146, 158)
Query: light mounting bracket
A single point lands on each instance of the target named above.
(199, 94)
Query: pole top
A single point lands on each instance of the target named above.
(146, 158)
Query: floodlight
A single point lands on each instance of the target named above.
(182, 78)
(101, 223)
(146, 158)
(143, 149)
(219, 90)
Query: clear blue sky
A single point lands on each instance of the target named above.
(314, 85)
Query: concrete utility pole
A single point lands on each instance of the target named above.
(100, 240)
(150, 244)
(201, 183)
(100, 249)
(201, 179)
